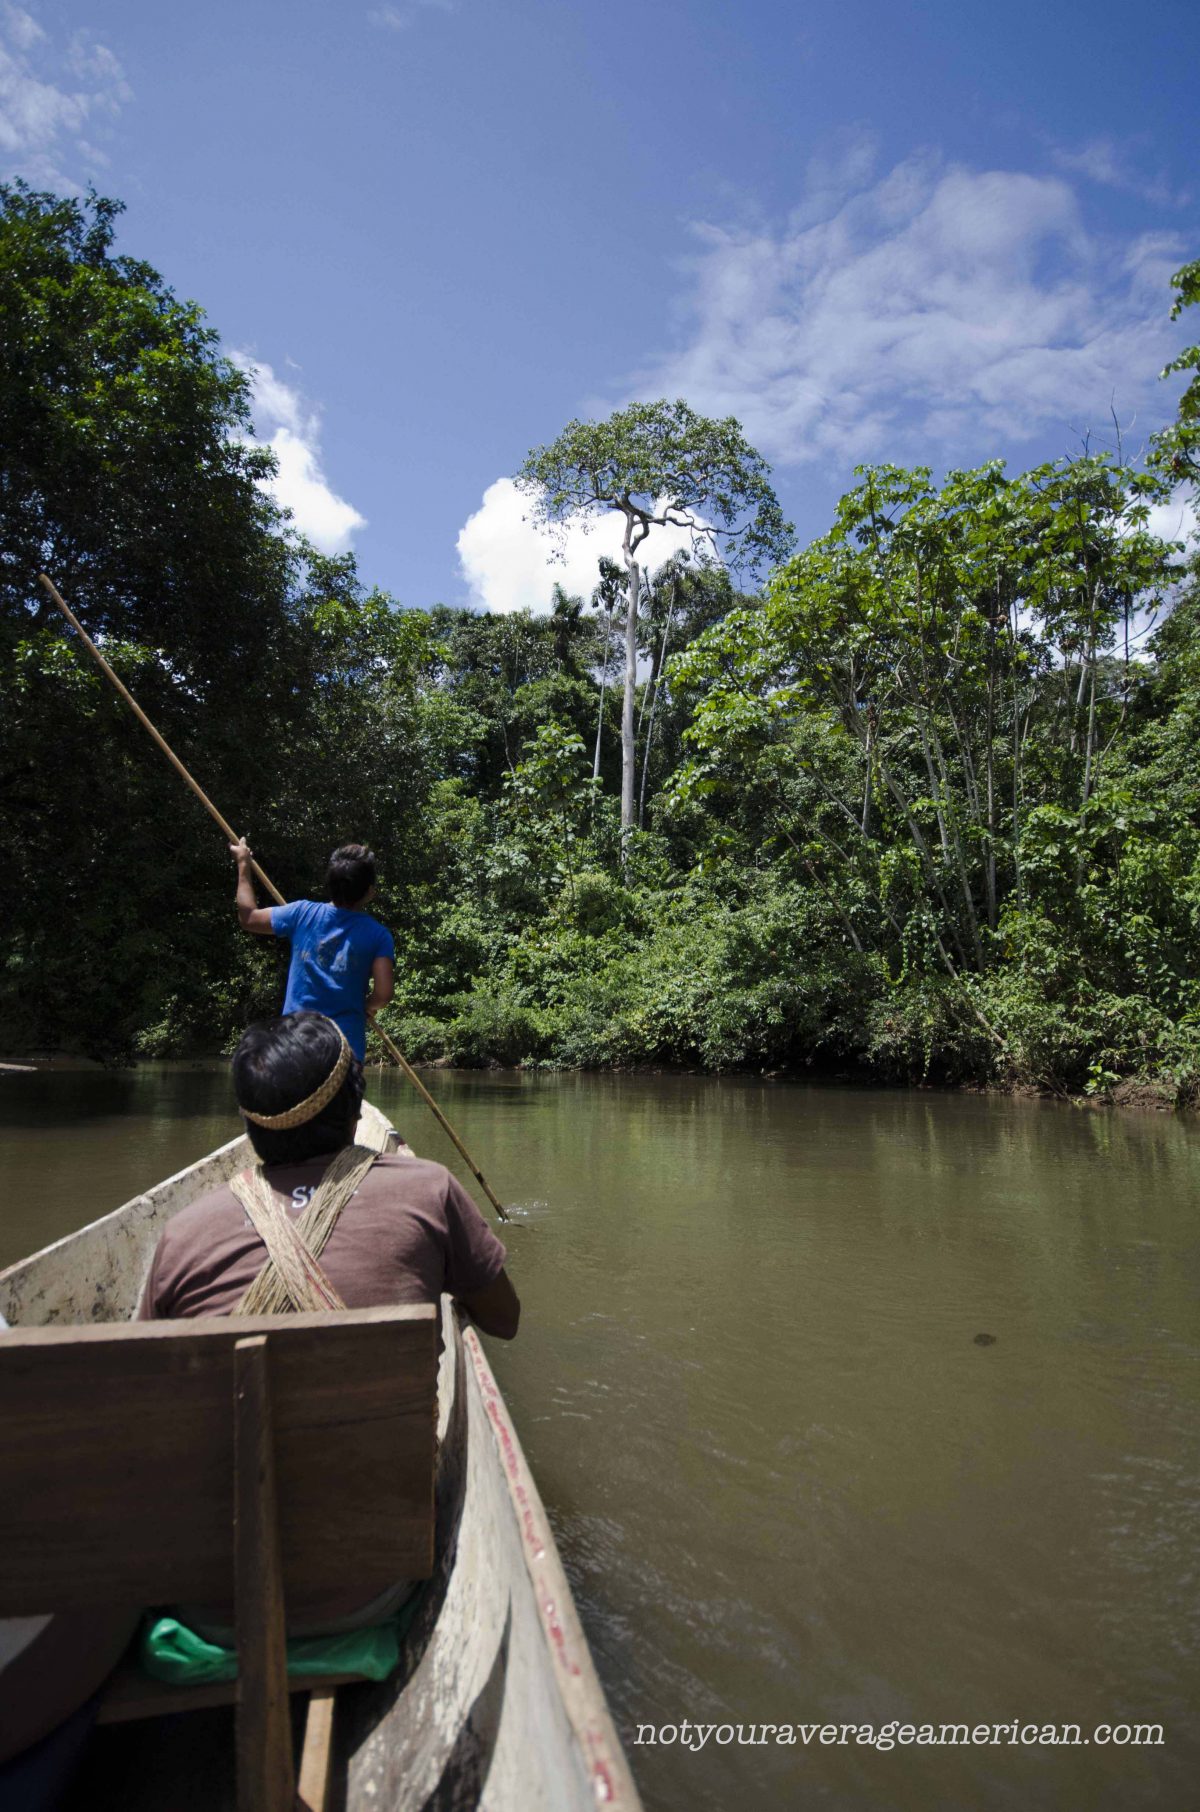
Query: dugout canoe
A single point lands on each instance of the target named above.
(496, 1703)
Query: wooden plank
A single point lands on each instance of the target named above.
(265, 1776)
(100, 1333)
(117, 1455)
(318, 1748)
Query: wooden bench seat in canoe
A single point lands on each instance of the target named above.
(260, 1463)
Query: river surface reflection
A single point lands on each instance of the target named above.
(790, 1484)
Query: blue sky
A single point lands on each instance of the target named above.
(437, 229)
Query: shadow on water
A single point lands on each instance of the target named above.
(70, 1096)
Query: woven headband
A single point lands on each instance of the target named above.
(310, 1107)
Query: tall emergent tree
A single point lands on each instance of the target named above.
(659, 465)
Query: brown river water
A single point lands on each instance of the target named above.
(790, 1485)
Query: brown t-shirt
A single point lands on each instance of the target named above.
(408, 1233)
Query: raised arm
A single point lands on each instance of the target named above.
(251, 916)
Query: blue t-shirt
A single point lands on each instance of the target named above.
(333, 948)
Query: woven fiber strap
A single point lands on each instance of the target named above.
(292, 1278)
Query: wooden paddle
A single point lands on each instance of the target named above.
(268, 885)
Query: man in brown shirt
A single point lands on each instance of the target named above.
(405, 1230)
(407, 1233)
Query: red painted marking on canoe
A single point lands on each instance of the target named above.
(603, 1784)
(512, 1465)
(558, 1636)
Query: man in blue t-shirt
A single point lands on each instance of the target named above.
(337, 948)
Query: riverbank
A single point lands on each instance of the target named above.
(1146, 1094)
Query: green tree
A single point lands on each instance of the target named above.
(920, 685)
(548, 799)
(506, 675)
(658, 465)
(127, 468)
(126, 471)
(1176, 450)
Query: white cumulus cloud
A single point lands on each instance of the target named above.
(50, 102)
(510, 564)
(936, 312)
(292, 429)
(1176, 520)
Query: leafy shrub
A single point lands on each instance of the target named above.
(494, 1025)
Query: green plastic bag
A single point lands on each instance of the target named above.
(168, 1650)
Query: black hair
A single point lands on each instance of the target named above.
(351, 874)
(278, 1064)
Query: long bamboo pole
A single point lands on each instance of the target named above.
(268, 885)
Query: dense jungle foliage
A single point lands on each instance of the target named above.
(925, 806)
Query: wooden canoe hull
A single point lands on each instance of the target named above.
(496, 1703)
